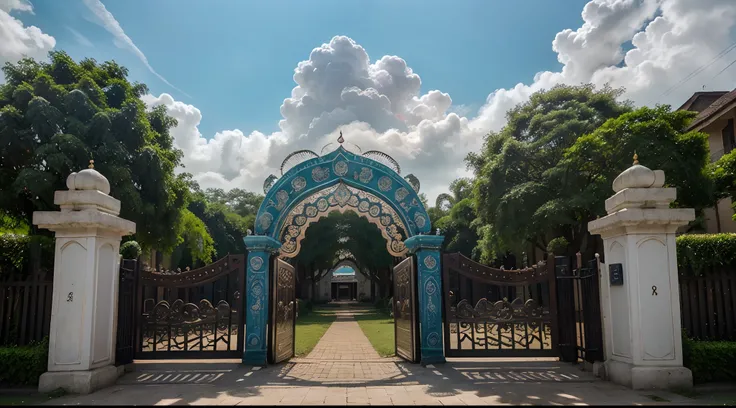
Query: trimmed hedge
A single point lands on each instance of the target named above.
(130, 250)
(698, 252)
(303, 307)
(558, 246)
(710, 361)
(23, 365)
(385, 305)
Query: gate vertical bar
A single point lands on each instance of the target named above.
(565, 310)
(592, 316)
(428, 263)
(260, 249)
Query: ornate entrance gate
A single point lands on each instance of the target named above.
(405, 310)
(310, 187)
(197, 313)
(499, 313)
(283, 312)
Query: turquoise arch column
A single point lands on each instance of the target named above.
(429, 282)
(260, 249)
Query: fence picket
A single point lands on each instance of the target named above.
(729, 313)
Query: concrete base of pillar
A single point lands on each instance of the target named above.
(648, 377)
(599, 370)
(79, 382)
(432, 359)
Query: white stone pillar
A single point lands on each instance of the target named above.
(641, 314)
(85, 294)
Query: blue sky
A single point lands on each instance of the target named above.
(225, 69)
(236, 59)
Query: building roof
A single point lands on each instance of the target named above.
(707, 98)
(716, 108)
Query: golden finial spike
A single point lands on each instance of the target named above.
(636, 158)
(91, 164)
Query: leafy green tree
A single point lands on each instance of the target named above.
(195, 236)
(519, 199)
(241, 202)
(226, 227)
(342, 233)
(661, 140)
(458, 218)
(56, 116)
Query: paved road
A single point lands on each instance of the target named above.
(343, 369)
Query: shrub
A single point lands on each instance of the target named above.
(303, 307)
(384, 305)
(710, 361)
(697, 252)
(558, 246)
(23, 365)
(130, 250)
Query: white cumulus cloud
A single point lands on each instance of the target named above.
(18, 41)
(646, 46)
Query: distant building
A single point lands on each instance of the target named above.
(716, 115)
(343, 284)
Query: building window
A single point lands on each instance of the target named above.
(728, 137)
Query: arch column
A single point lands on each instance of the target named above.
(429, 290)
(260, 248)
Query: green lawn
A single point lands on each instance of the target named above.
(379, 328)
(309, 329)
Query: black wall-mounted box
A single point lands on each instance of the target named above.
(616, 274)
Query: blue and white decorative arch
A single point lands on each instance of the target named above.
(368, 184)
(340, 181)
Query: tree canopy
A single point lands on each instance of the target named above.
(546, 174)
(457, 215)
(519, 198)
(55, 117)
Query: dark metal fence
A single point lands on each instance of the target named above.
(708, 303)
(578, 294)
(25, 307)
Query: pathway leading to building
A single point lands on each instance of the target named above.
(344, 355)
(344, 369)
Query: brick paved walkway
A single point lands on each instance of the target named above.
(344, 355)
(344, 340)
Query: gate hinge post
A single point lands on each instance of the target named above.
(429, 291)
(260, 248)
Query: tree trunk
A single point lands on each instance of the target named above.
(373, 290)
(314, 282)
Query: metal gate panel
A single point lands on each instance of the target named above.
(493, 312)
(405, 310)
(193, 313)
(283, 312)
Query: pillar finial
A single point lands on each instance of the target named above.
(636, 158)
(91, 164)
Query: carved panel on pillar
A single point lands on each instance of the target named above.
(260, 249)
(656, 302)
